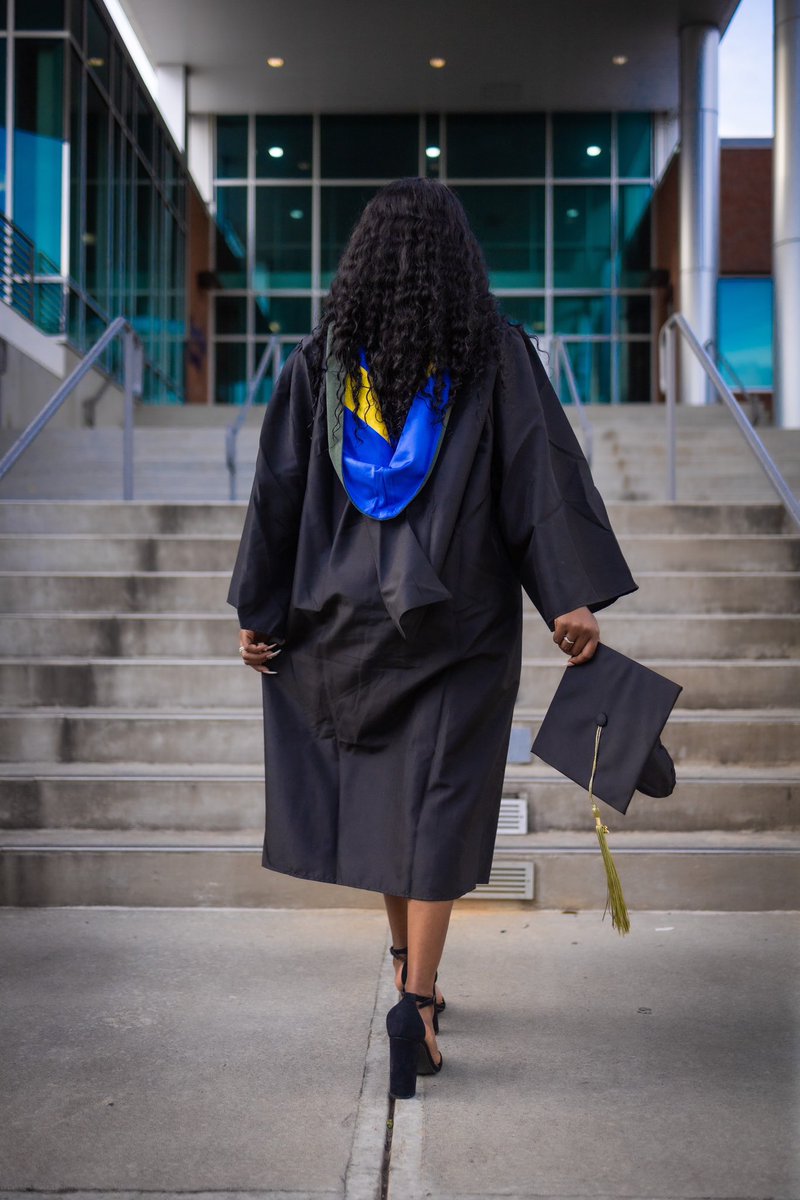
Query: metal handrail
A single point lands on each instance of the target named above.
(756, 409)
(667, 341)
(133, 359)
(272, 352)
(561, 361)
(30, 282)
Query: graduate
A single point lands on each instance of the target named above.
(415, 467)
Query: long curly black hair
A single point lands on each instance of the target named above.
(412, 290)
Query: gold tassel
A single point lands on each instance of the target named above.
(619, 911)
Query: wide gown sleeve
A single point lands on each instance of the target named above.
(261, 583)
(551, 516)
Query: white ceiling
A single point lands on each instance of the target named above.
(372, 55)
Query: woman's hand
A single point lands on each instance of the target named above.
(256, 650)
(577, 634)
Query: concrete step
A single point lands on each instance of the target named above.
(747, 736)
(182, 796)
(178, 635)
(148, 518)
(174, 683)
(716, 870)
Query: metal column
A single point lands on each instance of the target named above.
(699, 198)
(786, 215)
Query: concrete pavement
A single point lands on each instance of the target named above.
(242, 1053)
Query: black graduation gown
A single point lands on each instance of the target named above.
(386, 728)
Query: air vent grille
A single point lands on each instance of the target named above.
(513, 815)
(507, 881)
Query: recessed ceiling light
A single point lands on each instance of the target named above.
(275, 62)
(296, 214)
(275, 152)
(572, 213)
(433, 151)
(593, 151)
(619, 60)
(437, 63)
(97, 62)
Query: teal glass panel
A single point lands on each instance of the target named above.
(39, 14)
(369, 146)
(582, 236)
(745, 322)
(3, 127)
(582, 314)
(634, 141)
(581, 145)
(432, 150)
(282, 314)
(231, 147)
(634, 314)
(76, 139)
(283, 147)
(230, 314)
(230, 376)
(635, 206)
(96, 233)
(98, 45)
(39, 88)
(3, 14)
(341, 208)
(264, 393)
(508, 220)
(527, 309)
(282, 237)
(117, 76)
(487, 145)
(231, 236)
(634, 372)
(591, 366)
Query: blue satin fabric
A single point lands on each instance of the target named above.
(381, 476)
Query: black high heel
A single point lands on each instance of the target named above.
(438, 1005)
(409, 1055)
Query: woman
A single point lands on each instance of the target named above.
(414, 467)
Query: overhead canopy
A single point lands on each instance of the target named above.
(359, 55)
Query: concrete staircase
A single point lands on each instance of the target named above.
(130, 733)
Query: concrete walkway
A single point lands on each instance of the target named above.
(237, 1053)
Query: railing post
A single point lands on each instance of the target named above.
(132, 370)
(670, 370)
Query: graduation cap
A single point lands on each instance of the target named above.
(614, 699)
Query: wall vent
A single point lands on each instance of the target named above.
(513, 815)
(508, 881)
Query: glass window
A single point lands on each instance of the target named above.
(231, 147)
(230, 359)
(744, 316)
(369, 146)
(98, 47)
(96, 231)
(634, 234)
(231, 236)
(42, 14)
(283, 147)
(3, 14)
(634, 138)
(582, 236)
(283, 314)
(591, 365)
(433, 146)
(39, 76)
(76, 20)
(264, 393)
(341, 209)
(484, 145)
(527, 309)
(508, 221)
(282, 237)
(634, 372)
(144, 124)
(634, 314)
(582, 314)
(581, 145)
(230, 314)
